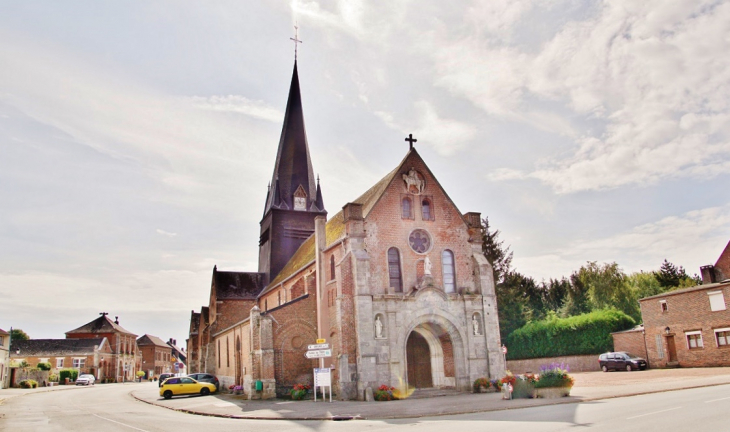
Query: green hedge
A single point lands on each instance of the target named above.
(582, 334)
(71, 374)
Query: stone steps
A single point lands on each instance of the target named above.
(434, 392)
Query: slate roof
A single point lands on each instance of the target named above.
(103, 324)
(717, 285)
(3, 332)
(151, 340)
(293, 165)
(54, 347)
(237, 285)
(194, 322)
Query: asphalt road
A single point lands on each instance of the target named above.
(111, 408)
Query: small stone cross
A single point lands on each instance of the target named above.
(296, 41)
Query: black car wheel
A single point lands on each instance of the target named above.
(205, 391)
(604, 368)
(167, 394)
(629, 368)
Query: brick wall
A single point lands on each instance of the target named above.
(582, 363)
(631, 341)
(686, 311)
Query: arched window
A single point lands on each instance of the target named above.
(447, 263)
(332, 267)
(426, 211)
(406, 208)
(396, 282)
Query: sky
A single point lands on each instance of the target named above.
(137, 138)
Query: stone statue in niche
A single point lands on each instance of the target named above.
(378, 327)
(414, 182)
(427, 266)
(475, 325)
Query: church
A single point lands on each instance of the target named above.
(394, 282)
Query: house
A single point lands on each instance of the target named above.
(688, 327)
(393, 288)
(4, 359)
(718, 272)
(88, 356)
(125, 359)
(179, 357)
(156, 356)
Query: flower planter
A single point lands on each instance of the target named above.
(552, 392)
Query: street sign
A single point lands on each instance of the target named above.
(318, 346)
(318, 353)
(321, 341)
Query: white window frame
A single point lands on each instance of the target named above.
(59, 362)
(717, 341)
(719, 301)
(701, 343)
(663, 306)
(2, 340)
(79, 362)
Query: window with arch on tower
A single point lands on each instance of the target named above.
(447, 264)
(394, 273)
(407, 208)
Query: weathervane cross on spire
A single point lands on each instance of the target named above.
(296, 41)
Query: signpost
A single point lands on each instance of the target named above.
(318, 346)
(322, 353)
(322, 379)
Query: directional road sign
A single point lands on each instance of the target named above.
(318, 353)
(318, 346)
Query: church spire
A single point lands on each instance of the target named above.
(293, 168)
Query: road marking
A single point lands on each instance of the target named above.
(715, 400)
(120, 423)
(651, 413)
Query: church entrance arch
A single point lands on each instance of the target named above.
(430, 357)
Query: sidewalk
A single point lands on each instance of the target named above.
(588, 386)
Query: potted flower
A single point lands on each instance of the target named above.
(299, 391)
(383, 393)
(554, 381)
(483, 385)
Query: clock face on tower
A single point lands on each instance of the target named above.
(300, 203)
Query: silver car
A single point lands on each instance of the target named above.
(86, 379)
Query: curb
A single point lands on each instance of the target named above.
(569, 400)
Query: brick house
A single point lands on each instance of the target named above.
(4, 358)
(179, 356)
(631, 341)
(88, 356)
(688, 327)
(156, 356)
(718, 272)
(395, 282)
(126, 360)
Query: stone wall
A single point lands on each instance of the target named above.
(581, 363)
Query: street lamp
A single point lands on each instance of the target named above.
(666, 330)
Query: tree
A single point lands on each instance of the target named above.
(512, 303)
(606, 287)
(556, 293)
(645, 284)
(499, 257)
(18, 334)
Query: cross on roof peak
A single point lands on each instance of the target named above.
(411, 140)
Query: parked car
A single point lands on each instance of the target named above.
(163, 377)
(206, 377)
(621, 361)
(86, 379)
(177, 386)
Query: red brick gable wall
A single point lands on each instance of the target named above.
(385, 228)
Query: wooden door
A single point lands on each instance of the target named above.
(671, 349)
(419, 361)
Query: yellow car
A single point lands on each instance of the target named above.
(177, 386)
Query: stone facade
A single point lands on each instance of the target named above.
(4, 359)
(395, 283)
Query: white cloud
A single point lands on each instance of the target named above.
(165, 233)
(692, 239)
(239, 104)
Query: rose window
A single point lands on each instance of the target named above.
(420, 241)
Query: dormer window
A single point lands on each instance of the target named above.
(300, 199)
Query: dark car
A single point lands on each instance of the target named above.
(206, 377)
(621, 361)
(163, 377)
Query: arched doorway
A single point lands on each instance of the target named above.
(418, 357)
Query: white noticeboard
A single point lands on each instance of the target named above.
(322, 378)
